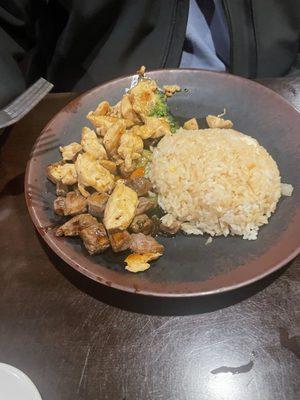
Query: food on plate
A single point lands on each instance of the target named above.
(134, 174)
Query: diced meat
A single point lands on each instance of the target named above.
(141, 244)
(69, 152)
(61, 189)
(169, 224)
(113, 136)
(140, 185)
(130, 148)
(111, 166)
(91, 173)
(96, 203)
(94, 238)
(216, 122)
(120, 241)
(126, 172)
(191, 124)
(73, 226)
(139, 262)
(59, 205)
(171, 89)
(127, 110)
(120, 208)
(91, 144)
(101, 122)
(62, 172)
(75, 203)
(142, 96)
(103, 108)
(145, 204)
(141, 224)
(143, 131)
(159, 126)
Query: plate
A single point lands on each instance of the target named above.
(188, 267)
(15, 385)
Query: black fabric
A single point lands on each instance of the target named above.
(77, 44)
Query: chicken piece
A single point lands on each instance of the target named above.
(94, 238)
(91, 145)
(145, 204)
(139, 262)
(115, 111)
(61, 189)
(96, 203)
(111, 166)
(169, 224)
(101, 122)
(141, 72)
(120, 208)
(69, 152)
(141, 224)
(126, 172)
(91, 173)
(59, 205)
(62, 172)
(130, 148)
(171, 89)
(142, 96)
(102, 109)
(159, 126)
(119, 241)
(191, 124)
(217, 122)
(75, 224)
(75, 203)
(140, 185)
(127, 110)
(142, 244)
(143, 131)
(112, 137)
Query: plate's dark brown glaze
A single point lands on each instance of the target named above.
(188, 267)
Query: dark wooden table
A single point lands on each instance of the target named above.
(79, 340)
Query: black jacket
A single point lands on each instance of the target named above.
(77, 44)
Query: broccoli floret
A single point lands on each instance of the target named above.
(161, 109)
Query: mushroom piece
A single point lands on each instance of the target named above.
(140, 185)
(96, 203)
(145, 204)
(169, 224)
(74, 203)
(61, 189)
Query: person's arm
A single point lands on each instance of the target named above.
(16, 38)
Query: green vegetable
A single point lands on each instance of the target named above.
(161, 109)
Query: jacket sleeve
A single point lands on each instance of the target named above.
(16, 39)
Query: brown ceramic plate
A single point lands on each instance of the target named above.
(188, 267)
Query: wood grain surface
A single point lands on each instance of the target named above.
(77, 339)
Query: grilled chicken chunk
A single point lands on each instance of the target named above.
(130, 148)
(119, 241)
(75, 224)
(216, 122)
(120, 208)
(127, 110)
(96, 203)
(94, 238)
(91, 145)
(62, 172)
(141, 244)
(191, 124)
(141, 224)
(69, 152)
(113, 136)
(140, 185)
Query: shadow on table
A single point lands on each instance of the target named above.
(156, 305)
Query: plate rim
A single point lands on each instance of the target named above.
(54, 247)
